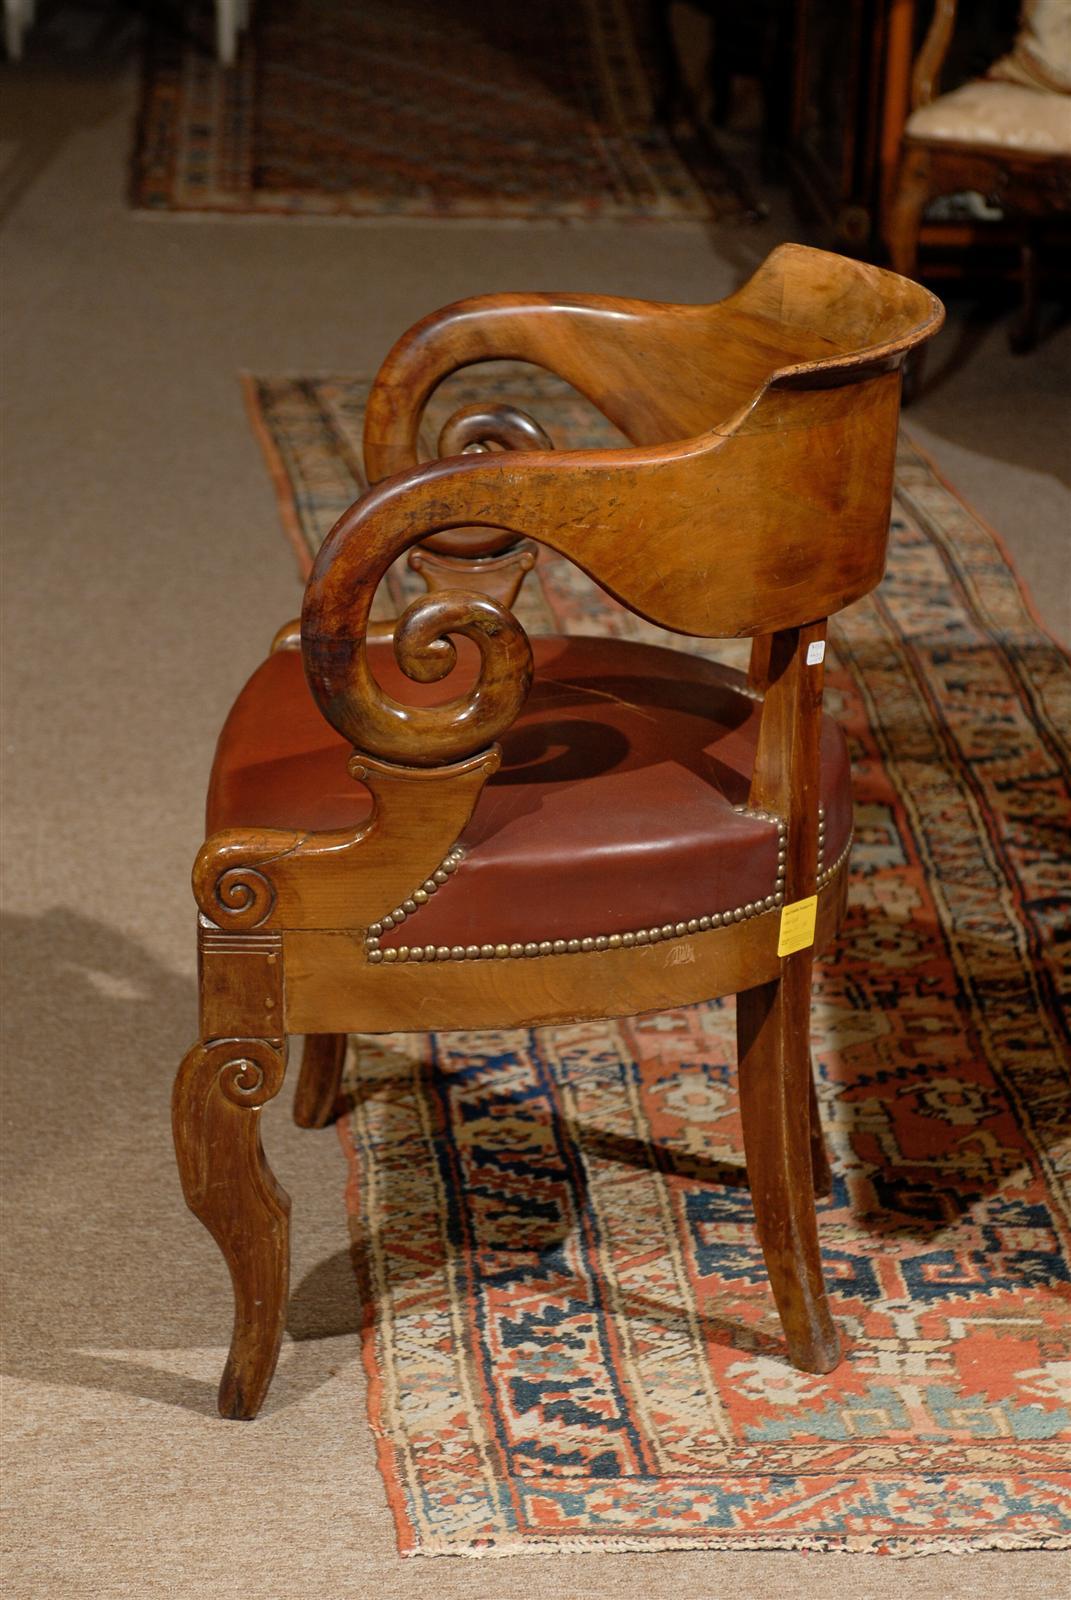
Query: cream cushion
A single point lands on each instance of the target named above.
(1007, 115)
(1041, 55)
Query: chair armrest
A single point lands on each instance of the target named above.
(620, 353)
(659, 372)
(482, 328)
(780, 521)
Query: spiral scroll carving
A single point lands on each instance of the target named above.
(243, 898)
(247, 1072)
(488, 490)
(251, 1078)
(425, 651)
(215, 1076)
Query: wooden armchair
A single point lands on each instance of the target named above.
(408, 834)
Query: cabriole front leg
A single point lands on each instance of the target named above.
(219, 1092)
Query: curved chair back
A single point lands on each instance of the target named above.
(660, 372)
(755, 496)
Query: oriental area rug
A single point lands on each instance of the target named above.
(418, 108)
(568, 1334)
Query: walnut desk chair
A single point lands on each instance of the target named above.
(569, 827)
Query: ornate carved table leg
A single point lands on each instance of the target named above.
(220, 1089)
(320, 1079)
(772, 1034)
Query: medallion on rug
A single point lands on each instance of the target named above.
(568, 1334)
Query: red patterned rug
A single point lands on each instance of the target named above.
(418, 108)
(568, 1333)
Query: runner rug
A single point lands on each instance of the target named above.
(417, 108)
(568, 1334)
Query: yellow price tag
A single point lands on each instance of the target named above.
(797, 925)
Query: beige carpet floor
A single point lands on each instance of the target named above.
(145, 575)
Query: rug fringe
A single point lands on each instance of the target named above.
(899, 1547)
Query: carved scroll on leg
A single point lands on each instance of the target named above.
(219, 1092)
(320, 1079)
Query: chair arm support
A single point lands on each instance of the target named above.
(268, 878)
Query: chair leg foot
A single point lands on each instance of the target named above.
(772, 1033)
(220, 1089)
(320, 1079)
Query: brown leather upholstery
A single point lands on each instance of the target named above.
(615, 808)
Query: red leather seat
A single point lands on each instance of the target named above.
(617, 806)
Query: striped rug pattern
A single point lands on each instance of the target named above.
(418, 108)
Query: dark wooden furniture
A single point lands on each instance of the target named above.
(1031, 186)
(862, 67)
(852, 63)
(753, 42)
(568, 828)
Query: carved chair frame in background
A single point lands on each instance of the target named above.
(753, 500)
(1034, 187)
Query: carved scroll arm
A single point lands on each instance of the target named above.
(522, 495)
(714, 536)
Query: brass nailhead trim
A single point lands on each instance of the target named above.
(611, 941)
(832, 870)
(418, 898)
